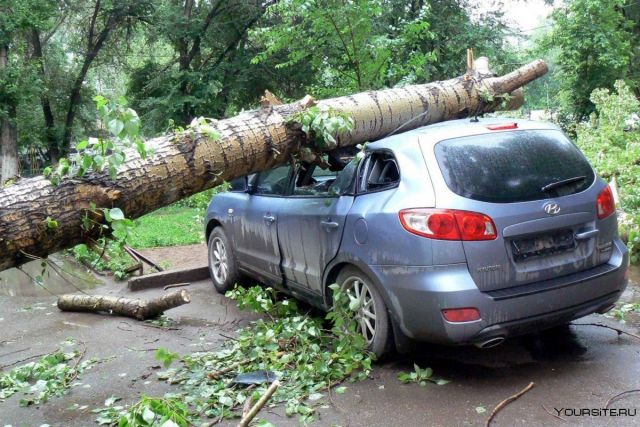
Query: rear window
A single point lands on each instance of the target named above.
(506, 167)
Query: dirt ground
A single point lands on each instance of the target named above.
(175, 257)
(578, 368)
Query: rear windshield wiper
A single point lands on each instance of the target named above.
(562, 183)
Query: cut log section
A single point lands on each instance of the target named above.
(139, 309)
(186, 163)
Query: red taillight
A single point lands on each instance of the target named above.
(448, 224)
(605, 203)
(503, 126)
(461, 314)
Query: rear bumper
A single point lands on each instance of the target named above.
(416, 296)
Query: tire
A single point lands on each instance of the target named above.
(380, 341)
(222, 264)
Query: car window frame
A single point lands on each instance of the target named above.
(257, 177)
(360, 172)
(245, 178)
(292, 186)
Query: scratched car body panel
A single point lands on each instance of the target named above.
(469, 232)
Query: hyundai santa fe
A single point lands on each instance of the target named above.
(457, 233)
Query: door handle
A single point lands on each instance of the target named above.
(330, 224)
(269, 218)
(587, 234)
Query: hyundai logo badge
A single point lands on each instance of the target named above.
(552, 208)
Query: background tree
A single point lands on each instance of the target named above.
(18, 77)
(204, 67)
(103, 20)
(594, 45)
(361, 45)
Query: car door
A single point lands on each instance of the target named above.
(310, 224)
(255, 228)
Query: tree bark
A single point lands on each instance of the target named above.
(184, 164)
(135, 308)
(8, 133)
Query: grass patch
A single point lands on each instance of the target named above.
(170, 226)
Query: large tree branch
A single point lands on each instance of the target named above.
(92, 26)
(253, 141)
(233, 44)
(195, 49)
(49, 121)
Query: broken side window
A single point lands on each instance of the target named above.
(379, 172)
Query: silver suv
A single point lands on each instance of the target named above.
(459, 233)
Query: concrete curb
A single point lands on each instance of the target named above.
(169, 277)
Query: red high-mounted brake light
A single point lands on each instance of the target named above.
(605, 203)
(502, 126)
(448, 224)
(457, 315)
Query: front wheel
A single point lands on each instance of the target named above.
(222, 265)
(372, 315)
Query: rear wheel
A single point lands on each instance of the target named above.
(222, 265)
(372, 315)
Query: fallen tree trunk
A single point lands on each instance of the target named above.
(139, 309)
(184, 163)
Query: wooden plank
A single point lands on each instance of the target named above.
(168, 277)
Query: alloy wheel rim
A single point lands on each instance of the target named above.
(365, 314)
(219, 261)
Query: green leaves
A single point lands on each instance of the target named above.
(611, 142)
(262, 300)
(322, 125)
(156, 412)
(114, 214)
(420, 376)
(306, 358)
(50, 376)
(204, 126)
(94, 154)
(166, 357)
(50, 223)
(115, 127)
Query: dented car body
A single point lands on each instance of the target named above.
(458, 233)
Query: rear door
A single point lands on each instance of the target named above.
(255, 228)
(310, 224)
(541, 193)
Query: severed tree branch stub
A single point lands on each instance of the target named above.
(135, 308)
(185, 163)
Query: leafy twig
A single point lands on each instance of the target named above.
(506, 401)
(75, 366)
(217, 374)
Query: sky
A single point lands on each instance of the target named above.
(524, 15)
(527, 14)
